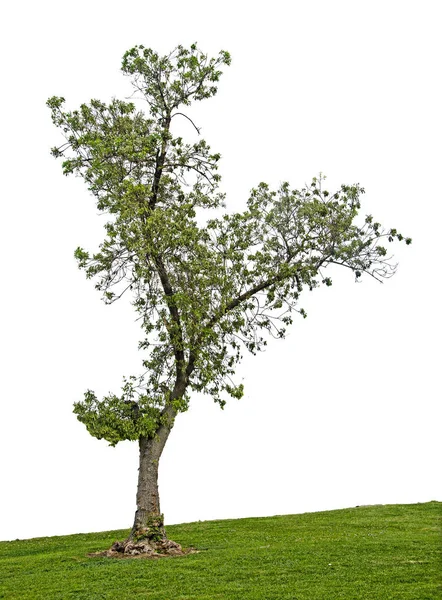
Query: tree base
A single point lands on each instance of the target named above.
(145, 549)
(146, 540)
(148, 548)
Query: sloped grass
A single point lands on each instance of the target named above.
(380, 553)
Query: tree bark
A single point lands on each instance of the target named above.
(148, 536)
(148, 514)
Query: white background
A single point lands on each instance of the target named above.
(346, 411)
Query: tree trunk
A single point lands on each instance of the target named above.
(148, 535)
(148, 499)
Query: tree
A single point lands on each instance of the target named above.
(204, 287)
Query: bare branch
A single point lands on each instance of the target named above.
(198, 129)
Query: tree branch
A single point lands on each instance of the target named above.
(159, 166)
(198, 129)
(174, 314)
(230, 306)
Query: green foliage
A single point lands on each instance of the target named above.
(371, 553)
(117, 418)
(177, 79)
(204, 288)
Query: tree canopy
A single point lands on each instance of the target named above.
(205, 286)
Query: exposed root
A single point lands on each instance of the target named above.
(146, 540)
(144, 549)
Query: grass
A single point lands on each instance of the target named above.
(378, 552)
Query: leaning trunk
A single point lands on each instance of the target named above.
(148, 514)
(148, 536)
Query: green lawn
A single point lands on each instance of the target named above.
(379, 552)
